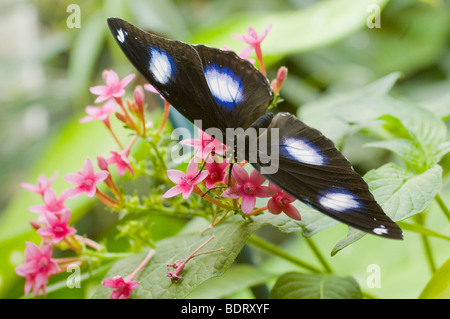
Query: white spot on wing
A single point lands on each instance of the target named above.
(380, 230)
(302, 151)
(339, 200)
(160, 65)
(225, 86)
(121, 35)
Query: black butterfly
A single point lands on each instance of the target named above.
(225, 91)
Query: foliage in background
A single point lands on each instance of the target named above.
(332, 59)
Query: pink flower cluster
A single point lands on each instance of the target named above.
(243, 186)
(54, 215)
(53, 225)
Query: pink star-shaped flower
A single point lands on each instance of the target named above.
(38, 267)
(281, 202)
(57, 228)
(114, 87)
(52, 204)
(245, 53)
(122, 288)
(253, 39)
(217, 172)
(44, 183)
(185, 182)
(85, 180)
(247, 187)
(205, 144)
(152, 89)
(121, 160)
(101, 113)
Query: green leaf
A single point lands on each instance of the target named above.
(439, 285)
(237, 278)
(400, 193)
(295, 285)
(334, 113)
(232, 234)
(421, 137)
(422, 230)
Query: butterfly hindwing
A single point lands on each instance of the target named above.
(313, 170)
(202, 83)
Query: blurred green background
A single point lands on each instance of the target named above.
(47, 67)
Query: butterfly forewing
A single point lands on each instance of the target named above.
(241, 92)
(203, 83)
(313, 170)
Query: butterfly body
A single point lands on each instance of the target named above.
(229, 94)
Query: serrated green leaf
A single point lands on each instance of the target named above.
(425, 134)
(295, 285)
(439, 285)
(412, 194)
(395, 126)
(400, 194)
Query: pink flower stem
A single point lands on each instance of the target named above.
(144, 128)
(179, 265)
(200, 247)
(208, 252)
(88, 242)
(214, 222)
(63, 267)
(198, 191)
(66, 260)
(113, 135)
(257, 211)
(127, 116)
(107, 200)
(113, 187)
(165, 117)
(260, 59)
(141, 265)
(77, 248)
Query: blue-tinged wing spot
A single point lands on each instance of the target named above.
(225, 86)
(302, 150)
(161, 65)
(339, 200)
